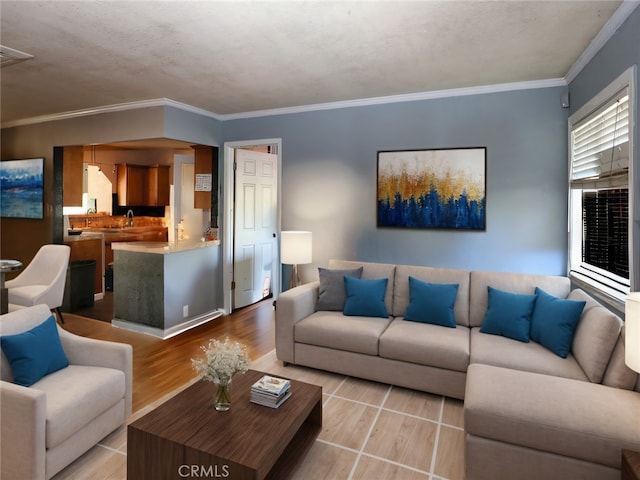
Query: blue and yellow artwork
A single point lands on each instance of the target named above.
(439, 188)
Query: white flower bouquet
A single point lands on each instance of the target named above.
(223, 360)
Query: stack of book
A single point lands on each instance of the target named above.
(270, 391)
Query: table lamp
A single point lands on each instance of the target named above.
(632, 331)
(295, 249)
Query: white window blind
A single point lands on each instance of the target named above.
(602, 245)
(600, 146)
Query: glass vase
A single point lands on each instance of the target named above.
(222, 400)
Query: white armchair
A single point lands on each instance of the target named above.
(51, 423)
(43, 280)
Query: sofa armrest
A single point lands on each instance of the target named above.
(24, 421)
(291, 307)
(100, 353)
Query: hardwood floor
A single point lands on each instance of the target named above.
(160, 366)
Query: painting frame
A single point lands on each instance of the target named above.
(22, 188)
(432, 188)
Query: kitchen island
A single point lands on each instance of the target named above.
(163, 288)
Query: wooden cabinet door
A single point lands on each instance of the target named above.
(159, 185)
(132, 185)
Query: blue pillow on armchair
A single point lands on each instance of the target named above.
(508, 314)
(34, 353)
(365, 298)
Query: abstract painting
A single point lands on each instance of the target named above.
(22, 188)
(435, 188)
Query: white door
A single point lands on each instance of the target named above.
(255, 226)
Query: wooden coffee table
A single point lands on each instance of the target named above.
(186, 437)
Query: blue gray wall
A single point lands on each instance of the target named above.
(329, 178)
(621, 52)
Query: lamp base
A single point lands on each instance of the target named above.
(294, 279)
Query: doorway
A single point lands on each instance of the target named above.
(255, 264)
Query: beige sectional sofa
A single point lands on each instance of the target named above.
(529, 413)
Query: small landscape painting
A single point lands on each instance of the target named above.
(22, 188)
(437, 188)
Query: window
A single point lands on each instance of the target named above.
(599, 195)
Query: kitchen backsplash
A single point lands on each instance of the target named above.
(111, 221)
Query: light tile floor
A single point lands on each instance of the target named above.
(370, 430)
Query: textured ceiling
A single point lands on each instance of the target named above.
(231, 57)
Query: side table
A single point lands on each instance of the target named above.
(5, 267)
(630, 465)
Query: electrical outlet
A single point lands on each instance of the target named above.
(185, 311)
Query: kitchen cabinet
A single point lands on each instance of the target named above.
(143, 185)
(132, 184)
(72, 176)
(89, 246)
(206, 163)
(159, 185)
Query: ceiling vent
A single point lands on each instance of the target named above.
(9, 56)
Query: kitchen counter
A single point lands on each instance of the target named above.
(162, 288)
(163, 248)
(114, 236)
(83, 236)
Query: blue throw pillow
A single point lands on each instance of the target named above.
(34, 353)
(365, 298)
(508, 314)
(554, 322)
(431, 303)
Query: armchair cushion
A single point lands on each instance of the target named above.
(34, 353)
(27, 295)
(77, 395)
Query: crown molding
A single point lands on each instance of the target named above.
(410, 97)
(118, 107)
(617, 19)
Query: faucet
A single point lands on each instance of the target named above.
(130, 218)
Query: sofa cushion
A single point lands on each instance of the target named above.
(334, 330)
(34, 353)
(595, 338)
(331, 294)
(511, 282)
(528, 357)
(431, 302)
(554, 321)
(617, 374)
(401, 293)
(371, 271)
(508, 314)
(365, 297)
(550, 414)
(75, 396)
(426, 344)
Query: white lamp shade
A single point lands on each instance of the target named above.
(632, 331)
(295, 247)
